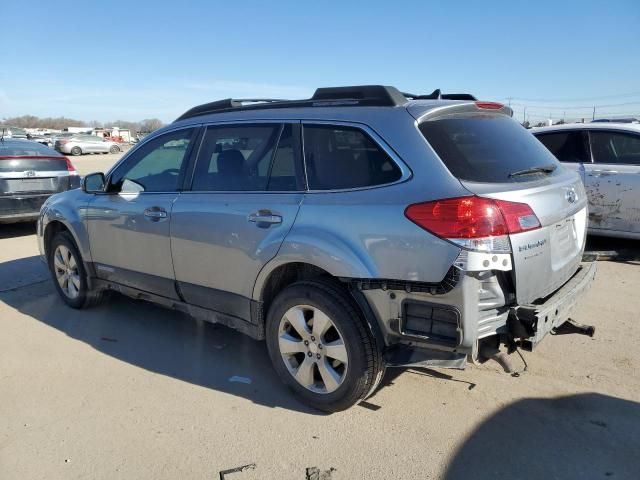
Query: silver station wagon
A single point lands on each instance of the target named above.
(607, 158)
(359, 229)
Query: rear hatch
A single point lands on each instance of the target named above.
(494, 157)
(22, 175)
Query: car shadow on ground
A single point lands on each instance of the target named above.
(163, 341)
(614, 249)
(574, 437)
(14, 230)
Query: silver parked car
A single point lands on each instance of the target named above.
(607, 158)
(81, 144)
(29, 174)
(358, 229)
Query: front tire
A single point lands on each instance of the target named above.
(321, 347)
(69, 274)
(75, 151)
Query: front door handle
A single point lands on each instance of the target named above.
(604, 172)
(264, 218)
(155, 213)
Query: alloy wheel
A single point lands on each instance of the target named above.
(312, 349)
(66, 270)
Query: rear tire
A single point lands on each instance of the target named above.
(332, 370)
(75, 151)
(114, 149)
(69, 274)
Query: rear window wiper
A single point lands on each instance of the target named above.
(529, 171)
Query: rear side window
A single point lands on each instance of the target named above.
(248, 157)
(566, 146)
(485, 148)
(615, 147)
(339, 157)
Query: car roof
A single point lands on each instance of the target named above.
(332, 103)
(630, 127)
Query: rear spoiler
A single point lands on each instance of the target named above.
(424, 113)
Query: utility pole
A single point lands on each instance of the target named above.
(509, 100)
(594, 113)
(524, 115)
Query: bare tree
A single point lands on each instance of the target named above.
(150, 124)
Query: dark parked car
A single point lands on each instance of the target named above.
(29, 174)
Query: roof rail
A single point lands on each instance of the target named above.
(360, 95)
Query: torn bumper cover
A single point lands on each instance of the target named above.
(529, 324)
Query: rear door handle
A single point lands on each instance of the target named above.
(264, 217)
(604, 172)
(155, 213)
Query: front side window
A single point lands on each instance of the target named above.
(615, 147)
(249, 157)
(157, 166)
(566, 146)
(340, 157)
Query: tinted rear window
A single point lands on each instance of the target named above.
(22, 165)
(485, 148)
(26, 148)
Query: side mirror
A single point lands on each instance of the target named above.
(93, 183)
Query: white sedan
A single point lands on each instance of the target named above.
(607, 157)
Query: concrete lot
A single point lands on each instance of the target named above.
(128, 390)
(94, 163)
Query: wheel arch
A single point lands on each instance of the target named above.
(284, 274)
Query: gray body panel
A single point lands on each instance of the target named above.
(214, 245)
(124, 240)
(207, 253)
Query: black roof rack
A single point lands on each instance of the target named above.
(438, 95)
(361, 95)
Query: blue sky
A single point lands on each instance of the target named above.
(139, 59)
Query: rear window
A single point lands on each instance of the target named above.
(26, 148)
(22, 165)
(486, 148)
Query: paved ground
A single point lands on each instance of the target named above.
(94, 163)
(128, 390)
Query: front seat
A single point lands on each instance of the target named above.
(231, 169)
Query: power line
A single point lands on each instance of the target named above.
(547, 107)
(583, 99)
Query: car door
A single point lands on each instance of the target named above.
(613, 181)
(129, 224)
(101, 145)
(88, 143)
(246, 192)
(568, 146)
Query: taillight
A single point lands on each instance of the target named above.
(70, 167)
(475, 223)
(62, 142)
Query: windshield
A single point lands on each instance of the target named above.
(488, 148)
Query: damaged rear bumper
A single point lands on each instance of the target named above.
(441, 325)
(529, 324)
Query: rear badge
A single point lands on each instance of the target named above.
(571, 196)
(30, 173)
